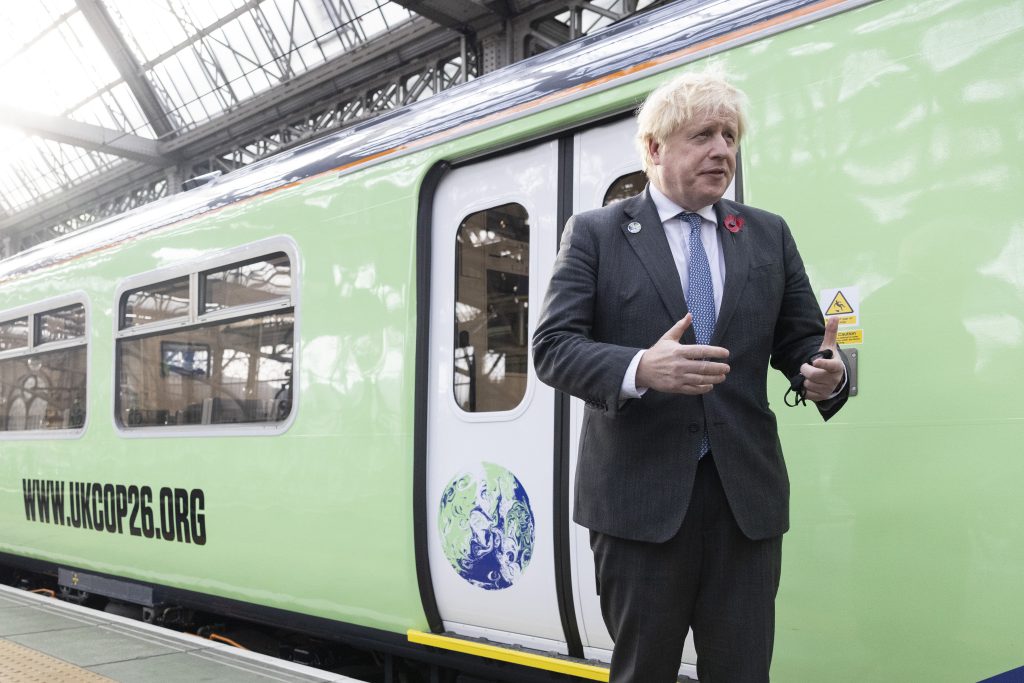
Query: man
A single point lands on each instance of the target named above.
(663, 313)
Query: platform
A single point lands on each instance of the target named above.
(43, 639)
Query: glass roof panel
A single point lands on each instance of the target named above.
(35, 168)
(117, 109)
(243, 45)
(60, 67)
(22, 28)
(392, 14)
(60, 70)
(201, 57)
(301, 30)
(149, 25)
(248, 47)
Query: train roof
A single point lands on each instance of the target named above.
(633, 48)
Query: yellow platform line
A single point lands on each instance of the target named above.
(504, 654)
(20, 664)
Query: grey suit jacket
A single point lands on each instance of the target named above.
(614, 292)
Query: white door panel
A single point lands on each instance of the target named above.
(490, 421)
(602, 155)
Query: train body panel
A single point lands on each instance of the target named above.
(266, 499)
(894, 155)
(887, 133)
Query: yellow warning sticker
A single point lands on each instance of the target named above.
(839, 306)
(842, 303)
(847, 337)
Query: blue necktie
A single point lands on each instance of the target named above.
(701, 299)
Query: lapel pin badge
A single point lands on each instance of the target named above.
(633, 227)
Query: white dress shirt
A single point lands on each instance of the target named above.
(677, 231)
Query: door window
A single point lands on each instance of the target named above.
(492, 285)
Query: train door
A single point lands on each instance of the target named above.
(490, 422)
(607, 169)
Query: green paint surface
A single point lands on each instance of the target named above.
(890, 138)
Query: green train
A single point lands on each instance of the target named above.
(303, 393)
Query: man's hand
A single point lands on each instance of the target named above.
(824, 374)
(676, 368)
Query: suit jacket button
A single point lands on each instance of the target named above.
(693, 428)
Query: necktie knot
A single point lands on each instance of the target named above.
(694, 219)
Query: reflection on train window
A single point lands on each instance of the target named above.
(247, 283)
(14, 334)
(156, 302)
(60, 324)
(185, 359)
(492, 286)
(232, 366)
(625, 186)
(42, 386)
(225, 373)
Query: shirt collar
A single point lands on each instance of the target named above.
(669, 209)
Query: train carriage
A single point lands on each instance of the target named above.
(303, 393)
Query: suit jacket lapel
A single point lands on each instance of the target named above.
(651, 246)
(736, 251)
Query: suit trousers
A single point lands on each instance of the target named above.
(708, 577)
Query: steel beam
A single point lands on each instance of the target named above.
(453, 14)
(85, 135)
(121, 55)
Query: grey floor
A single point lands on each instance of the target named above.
(121, 649)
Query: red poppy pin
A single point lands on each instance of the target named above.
(733, 223)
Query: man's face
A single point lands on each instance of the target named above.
(697, 162)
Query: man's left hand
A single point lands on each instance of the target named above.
(824, 374)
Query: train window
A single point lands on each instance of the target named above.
(229, 363)
(156, 302)
(14, 334)
(241, 284)
(492, 285)
(625, 186)
(60, 324)
(42, 384)
(43, 391)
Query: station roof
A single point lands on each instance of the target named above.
(130, 72)
(108, 104)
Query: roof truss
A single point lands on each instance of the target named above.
(452, 41)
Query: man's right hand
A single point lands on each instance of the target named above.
(676, 368)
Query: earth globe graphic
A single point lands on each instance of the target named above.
(486, 526)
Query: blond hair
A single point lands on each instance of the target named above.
(692, 95)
